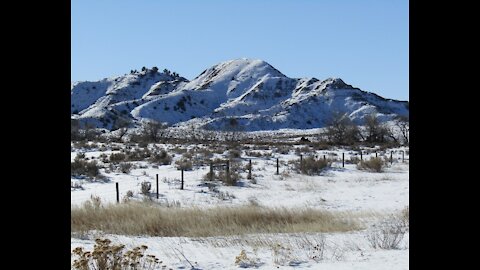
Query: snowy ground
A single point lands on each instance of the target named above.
(278, 251)
(338, 189)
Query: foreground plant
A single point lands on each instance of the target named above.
(114, 257)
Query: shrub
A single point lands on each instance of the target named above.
(117, 157)
(145, 188)
(387, 234)
(234, 153)
(253, 153)
(183, 164)
(161, 158)
(76, 185)
(95, 203)
(229, 179)
(284, 150)
(303, 150)
(125, 167)
(353, 160)
(312, 166)
(84, 168)
(138, 154)
(373, 165)
(114, 257)
(247, 261)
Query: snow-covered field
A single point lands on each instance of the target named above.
(337, 189)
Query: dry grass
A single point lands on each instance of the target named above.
(312, 166)
(136, 218)
(372, 165)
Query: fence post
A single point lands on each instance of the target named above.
(182, 181)
(324, 158)
(118, 193)
(376, 154)
(361, 155)
(343, 160)
(277, 168)
(403, 156)
(157, 185)
(249, 169)
(391, 157)
(301, 161)
(211, 170)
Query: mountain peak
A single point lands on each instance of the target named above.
(249, 64)
(336, 83)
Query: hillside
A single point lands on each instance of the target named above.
(253, 92)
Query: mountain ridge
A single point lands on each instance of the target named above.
(252, 91)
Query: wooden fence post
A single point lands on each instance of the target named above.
(403, 156)
(278, 172)
(343, 160)
(361, 155)
(182, 181)
(118, 192)
(249, 169)
(391, 157)
(157, 185)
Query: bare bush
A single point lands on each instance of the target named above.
(184, 164)
(253, 153)
(229, 179)
(312, 166)
(247, 260)
(145, 188)
(234, 153)
(373, 165)
(76, 185)
(114, 257)
(387, 234)
(117, 157)
(138, 154)
(85, 168)
(353, 160)
(125, 167)
(95, 203)
(161, 158)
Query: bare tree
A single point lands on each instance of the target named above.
(403, 124)
(153, 131)
(376, 132)
(341, 130)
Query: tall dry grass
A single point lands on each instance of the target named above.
(372, 165)
(136, 218)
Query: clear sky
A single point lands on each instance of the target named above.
(363, 42)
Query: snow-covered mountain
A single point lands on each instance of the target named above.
(253, 92)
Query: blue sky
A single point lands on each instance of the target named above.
(363, 42)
